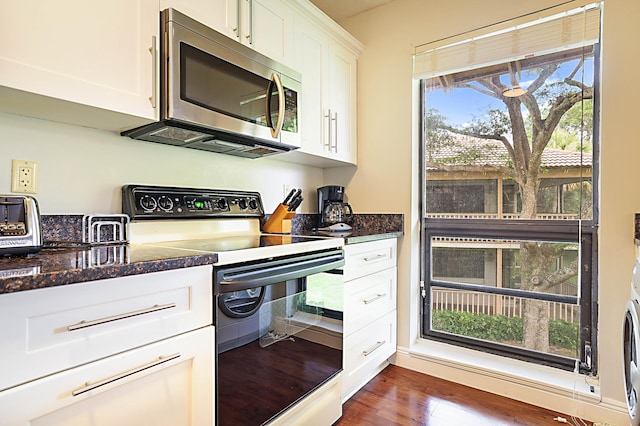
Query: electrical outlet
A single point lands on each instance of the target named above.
(24, 177)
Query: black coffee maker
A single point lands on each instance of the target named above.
(333, 212)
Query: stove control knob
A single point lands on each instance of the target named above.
(165, 203)
(253, 204)
(222, 204)
(242, 203)
(148, 203)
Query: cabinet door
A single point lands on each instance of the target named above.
(367, 298)
(57, 328)
(342, 103)
(221, 15)
(369, 257)
(271, 29)
(366, 353)
(101, 56)
(166, 383)
(311, 48)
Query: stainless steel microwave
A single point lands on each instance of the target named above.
(219, 95)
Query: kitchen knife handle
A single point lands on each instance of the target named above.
(289, 197)
(295, 204)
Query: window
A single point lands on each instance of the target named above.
(509, 188)
(322, 294)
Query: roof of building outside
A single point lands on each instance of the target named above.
(478, 152)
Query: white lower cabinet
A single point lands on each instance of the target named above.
(166, 383)
(369, 323)
(366, 353)
(122, 351)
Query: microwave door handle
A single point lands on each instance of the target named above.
(275, 131)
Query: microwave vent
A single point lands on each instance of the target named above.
(178, 134)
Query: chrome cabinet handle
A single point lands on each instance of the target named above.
(154, 70)
(89, 386)
(84, 324)
(327, 145)
(376, 257)
(249, 36)
(373, 348)
(374, 298)
(335, 127)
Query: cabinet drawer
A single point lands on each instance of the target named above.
(52, 329)
(366, 349)
(165, 383)
(367, 258)
(368, 298)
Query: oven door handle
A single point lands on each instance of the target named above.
(275, 274)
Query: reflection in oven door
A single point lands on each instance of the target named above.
(276, 344)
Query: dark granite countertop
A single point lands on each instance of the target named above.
(65, 262)
(62, 266)
(356, 235)
(365, 227)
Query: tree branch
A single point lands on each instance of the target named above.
(494, 137)
(561, 275)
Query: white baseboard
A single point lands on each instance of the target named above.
(564, 399)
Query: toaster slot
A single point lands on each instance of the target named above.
(12, 216)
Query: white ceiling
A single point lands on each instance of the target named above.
(341, 9)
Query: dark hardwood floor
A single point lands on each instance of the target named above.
(399, 396)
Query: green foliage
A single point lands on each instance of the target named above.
(500, 328)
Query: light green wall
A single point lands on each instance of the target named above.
(81, 170)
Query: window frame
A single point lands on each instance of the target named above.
(584, 232)
(527, 230)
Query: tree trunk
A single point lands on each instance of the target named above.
(535, 266)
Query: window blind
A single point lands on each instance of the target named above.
(559, 28)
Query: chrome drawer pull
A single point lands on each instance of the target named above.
(374, 298)
(89, 386)
(85, 324)
(373, 348)
(376, 257)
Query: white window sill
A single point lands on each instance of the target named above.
(482, 364)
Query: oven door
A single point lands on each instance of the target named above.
(278, 341)
(219, 83)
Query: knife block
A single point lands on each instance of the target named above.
(280, 221)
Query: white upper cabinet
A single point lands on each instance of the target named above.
(272, 29)
(341, 105)
(221, 15)
(264, 25)
(328, 121)
(312, 49)
(79, 53)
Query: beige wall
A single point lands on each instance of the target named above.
(81, 170)
(385, 180)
